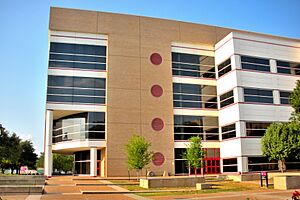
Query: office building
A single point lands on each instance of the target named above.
(112, 75)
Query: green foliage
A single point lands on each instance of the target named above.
(63, 162)
(28, 157)
(194, 153)
(282, 141)
(14, 152)
(40, 161)
(138, 153)
(60, 162)
(294, 100)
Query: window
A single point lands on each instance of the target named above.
(226, 99)
(82, 162)
(256, 128)
(252, 63)
(76, 89)
(284, 67)
(194, 96)
(228, 131)
(284, 97)
(180, 163)
(193, 65)
(186, 126)
(230, 165)
(80, 126)
(224, 68)
(79, 56)
(261, 164)
(258, 95)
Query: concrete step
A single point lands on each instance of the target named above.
(21, 189)
(22, 180)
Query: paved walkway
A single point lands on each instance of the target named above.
(64, 187)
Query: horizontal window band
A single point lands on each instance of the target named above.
(72, 54)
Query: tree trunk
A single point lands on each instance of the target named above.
(137, 174)
(281, 165)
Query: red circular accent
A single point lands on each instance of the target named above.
(156, 59)
(156, 90)
(157, 124)
(158, 159)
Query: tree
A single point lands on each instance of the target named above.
(14, 149)
(194, 154)
(63, 162)
(60, 162)
(281, 141)
(14, 152)
(4, 152)
(138, 153)
(28, 157)
(40, 161)
(294, 100)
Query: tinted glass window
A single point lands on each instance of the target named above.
(194, 96)
(284, 67)
(230, 165)
(228, 131)
(284, 97)
(186, 127)
(252, 63)
(80, 56)
(226, 99)
(76, 89)
(224, 67)
(82, 126)
(256, 128)
(261, 164)
(192, 65)
(258, 95)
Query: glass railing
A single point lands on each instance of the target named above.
(91, 131)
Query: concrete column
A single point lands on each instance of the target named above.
(93, 159)
(48, 165)
(276, 97)
(235, 62)
(240, 129)
(242, 164)
(273, 66)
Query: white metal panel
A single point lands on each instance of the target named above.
(267, 47)
(78, 38)
(251, 146)
(205, 144)
(197, 49)
(80, 73)
(264, 113)
(229, 115)
(227, 82)
(197, 81)
(266, 80)
(76, 107)
(77, 144)
(230, 148)
(204, 112)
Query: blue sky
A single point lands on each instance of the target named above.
(24, 37)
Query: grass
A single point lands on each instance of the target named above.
(219, 186)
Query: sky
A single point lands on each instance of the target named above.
(24, 43)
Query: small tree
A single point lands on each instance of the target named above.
(294, 100)
(138, 153)
(194, 154)
(281, 141)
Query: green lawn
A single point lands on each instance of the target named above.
(220, 186)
